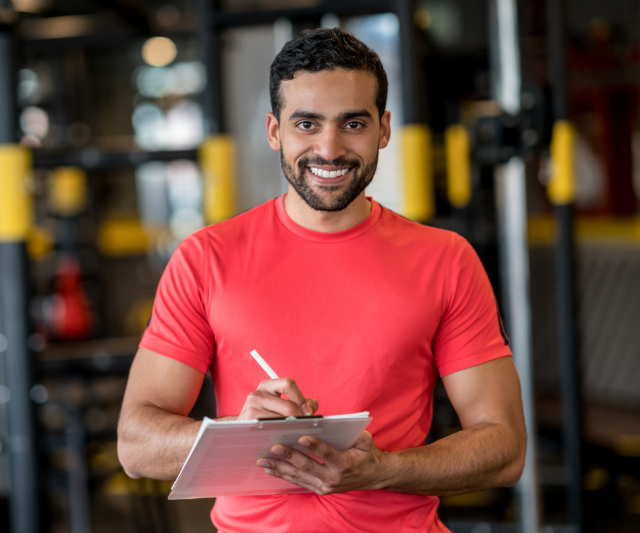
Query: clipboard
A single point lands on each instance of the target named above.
(222, 461)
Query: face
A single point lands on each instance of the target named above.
(329, 135)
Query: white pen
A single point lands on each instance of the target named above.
(264, 365)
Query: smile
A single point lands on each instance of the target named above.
(329, 173)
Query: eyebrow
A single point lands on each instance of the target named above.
(345, 115)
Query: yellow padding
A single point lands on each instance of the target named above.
(67, 191)
(561, 189)
(417, 162)
(122, 237)
(588, 230)
(15, 198)
(456, 141)
(40, 242)
(218, 164)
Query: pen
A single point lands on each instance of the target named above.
(264, 365)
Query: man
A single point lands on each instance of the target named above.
(360, 307)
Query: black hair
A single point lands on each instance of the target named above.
(325, 49)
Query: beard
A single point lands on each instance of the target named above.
(330, 197)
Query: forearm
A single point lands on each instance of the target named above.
(483, 456)
(155, 443)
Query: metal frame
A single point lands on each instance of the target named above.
(565, 283)
(513, 250)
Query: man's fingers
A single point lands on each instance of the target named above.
(310, 407)
(284, 386)
(294, 464)
(262, 401)
(364, 441)
(320, 448)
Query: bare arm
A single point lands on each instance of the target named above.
(155, 434)
(488, 452)
(490, 449)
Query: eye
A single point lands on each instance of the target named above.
(305, 125)
(353, 125)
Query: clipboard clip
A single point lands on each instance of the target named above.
(289, 418)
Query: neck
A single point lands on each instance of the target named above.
(326, 221)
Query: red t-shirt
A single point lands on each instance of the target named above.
(363, 319)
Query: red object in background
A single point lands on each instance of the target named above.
(604, 100)
(70, 313)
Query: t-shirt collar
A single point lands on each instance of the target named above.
(327, 238)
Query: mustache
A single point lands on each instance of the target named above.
(339, 162)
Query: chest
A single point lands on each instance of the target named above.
(332, 321)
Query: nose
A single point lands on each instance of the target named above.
(330, 144)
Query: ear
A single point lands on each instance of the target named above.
(385, 129)
(273, 132)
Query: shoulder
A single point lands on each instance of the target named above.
(235, 229)
(400, 228)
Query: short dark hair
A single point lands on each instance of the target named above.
(325, 49)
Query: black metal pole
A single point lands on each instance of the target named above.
(210, 48)
(408, 57)
(565, 291)
(24, 501)
(21, 439)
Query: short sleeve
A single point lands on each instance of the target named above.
(179, 327)
(471, 330)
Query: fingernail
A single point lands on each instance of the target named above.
(305, 442)
(305, 409)
(268, 472)
(264, 464)
(277, 450)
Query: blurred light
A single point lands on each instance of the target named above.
(444, 23)
(147, 120)
(180, 79)
(329, 20)
(422, 19)
(151, 185)
(34, 121)
(181, 127)
(61, 27)
(30, 6)
(29, 87)
(167, 15)
(153, 82)
(159, 51)
(39, 393)
(189, 78)
(185, 198)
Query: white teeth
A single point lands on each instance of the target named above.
(327, 173)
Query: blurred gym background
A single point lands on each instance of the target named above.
(125, 125)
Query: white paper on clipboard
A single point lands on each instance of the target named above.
(222, 461)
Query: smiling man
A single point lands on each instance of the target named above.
(359, 307)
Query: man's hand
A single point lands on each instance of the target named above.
(267, 402)
(361, 467)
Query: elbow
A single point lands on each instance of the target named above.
(513, 470)
(126, 461)
(126, 456)
(513, 473)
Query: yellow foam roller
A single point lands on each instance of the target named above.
(458, 165)
(561, 189)
(217, 162)
(417, 172)
(15, 198)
